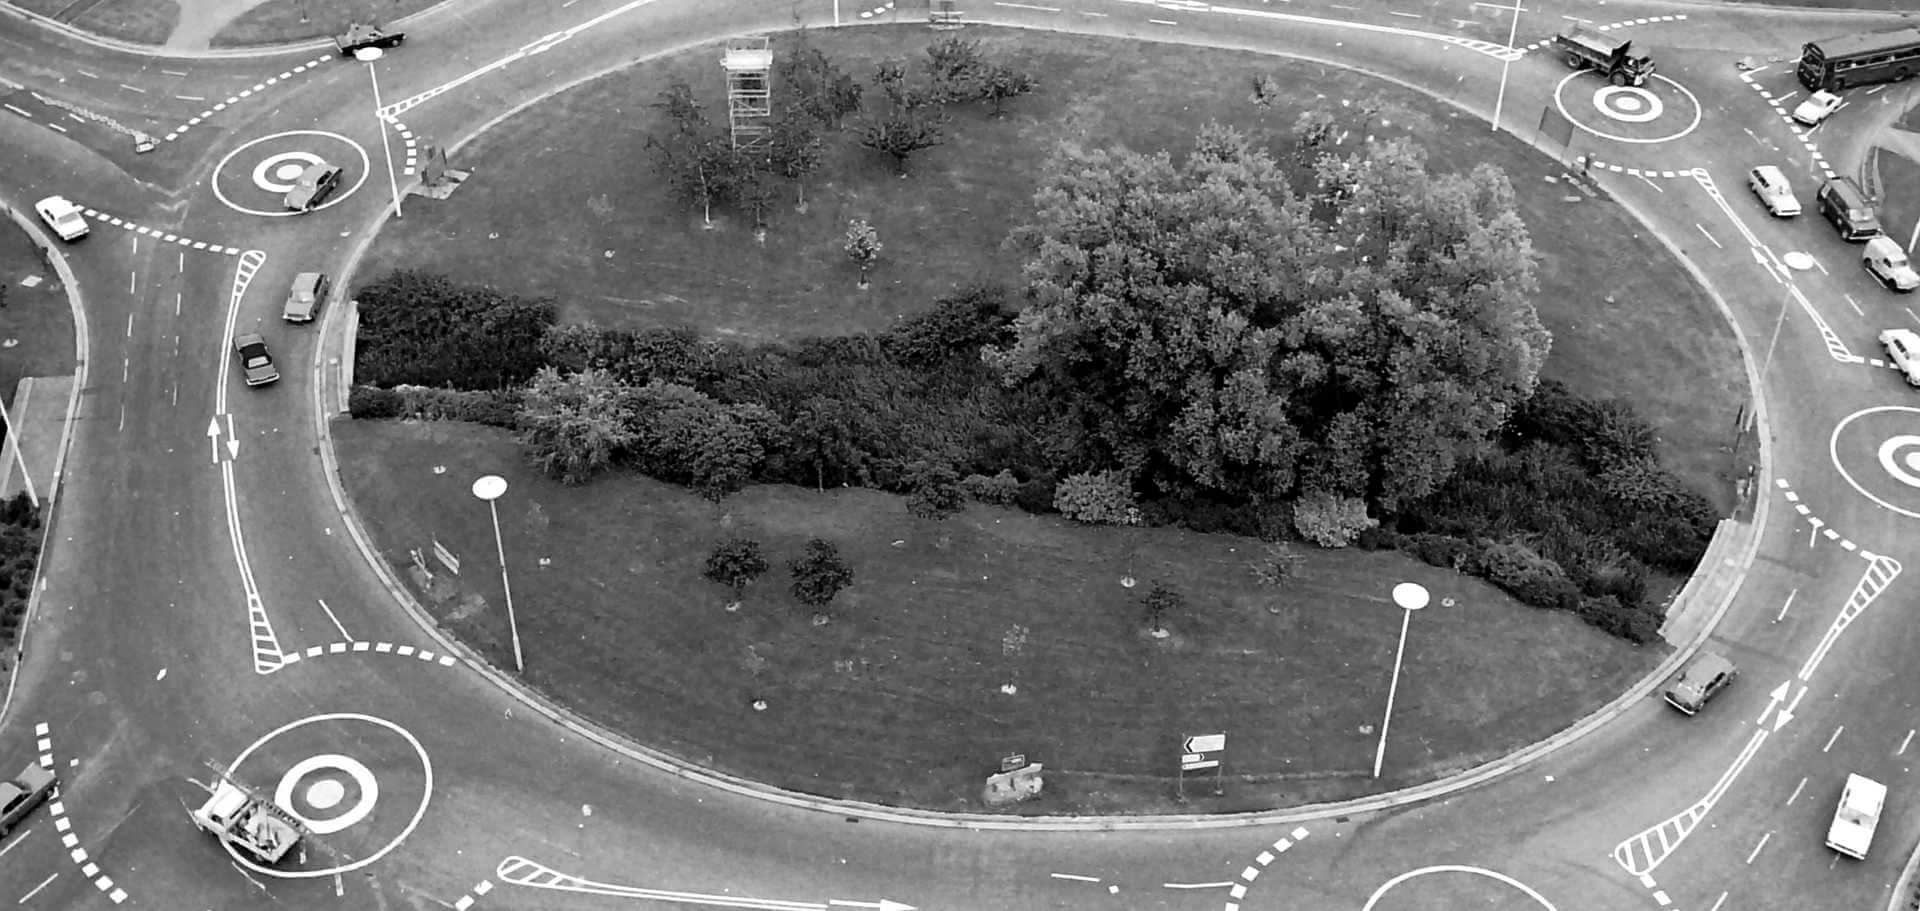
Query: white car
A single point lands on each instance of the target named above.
(65, 218)
(1903, 352)
(1888, 263)
(1851, 832)
(1770, 184)
(1818, 106)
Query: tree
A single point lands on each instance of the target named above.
(747, 186)
(1003, 83)
(956, 70)
(1160, 601)
(818, 576)
(825, 434)
(1312, 130)
(813, 85)
(697, 160)
(735, 563)
(901, 133)
(934, 491)
(574, 426)
(862, 246)
(795, 151)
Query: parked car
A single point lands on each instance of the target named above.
(1903, 352)
(254, 359)
(1888, 263)
(1770, 184)
(303, 300)
(1707, 674)
(1818, 107)
(312, 187)
(65, 218)
(26, 791)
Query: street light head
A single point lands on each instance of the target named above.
(490, 487)
(1410, 595)
(368, 54)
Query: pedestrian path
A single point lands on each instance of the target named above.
(37, 416)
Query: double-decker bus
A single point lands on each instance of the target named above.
(1833, 64)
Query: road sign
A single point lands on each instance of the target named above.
(446, 557)
(1201, 764)
(1206, 743)
(1013, 761)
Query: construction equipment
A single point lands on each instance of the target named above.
(251, 824)
(1611, 57)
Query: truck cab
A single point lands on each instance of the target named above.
(1613, 58)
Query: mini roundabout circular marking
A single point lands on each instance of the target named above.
(1508, 882)
(1646, 114)
(264, 169)
(1882, 461)
(331, 793)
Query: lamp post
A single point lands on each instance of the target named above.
(1505, 64)
(368, 55)
(489, 488)
(1411, 596)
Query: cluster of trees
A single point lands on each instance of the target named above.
(19, 555)
(818, 575)
(1198, 343)
(814, 97)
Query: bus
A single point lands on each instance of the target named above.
(1833, 64)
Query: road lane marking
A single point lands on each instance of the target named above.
(1764, 838)
(1835, 736)
(1796, 791)
(36, 889)
(1904, 743)
(336, 620)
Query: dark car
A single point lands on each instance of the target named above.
(360, 35)
(254, 359)
(18, 797)
(312, 187)
(1705, 675)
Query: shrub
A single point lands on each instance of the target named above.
(1097, 498)
(1601, 434)
(1329, 520)
(493, 407)
(422, 328)
(957, 327)
(1375, 538)
(1444, 551)
(18, 511)
(1035, 496)
(933, 491)
(373, 403)
(997, 490)
(1526, 575)
(1668, 542)
(636, 357)
(1635, 622)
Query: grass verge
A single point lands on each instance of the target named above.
(283, 21)
(898, 699)
(36, 325)
(136, 21)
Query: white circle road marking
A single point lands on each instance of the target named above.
(1629, 104)
(1454, 868)
(362, 778)
(325, 794)
(285, 166)
(426, 795)
(1885, 453)
(1561, 103)
(218, 169)
(1900, 465)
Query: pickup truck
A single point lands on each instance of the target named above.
(21, 796)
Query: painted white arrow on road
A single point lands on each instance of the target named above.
(882, 905)
(233, 439)
(520, 871)
(213, 438)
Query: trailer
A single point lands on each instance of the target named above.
(1611, 57)
(247, 822)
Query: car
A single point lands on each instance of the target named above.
(312, 187)
(1851, 832)
(1708, 673)
(360, 35)
(23, 794)
(65, 218)
(1903, 352)
(1888, 263)
(1770, 184)
(254, 359)
(309, 291)
(1818, 107)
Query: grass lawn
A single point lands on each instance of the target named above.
(138, 21)
(282, 21)
(36, 325)
(1900, 184)
(898, 698)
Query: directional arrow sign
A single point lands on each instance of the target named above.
(213, 437)
(1206, 743)
(233, 439)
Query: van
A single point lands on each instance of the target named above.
(1857, 816)
(1846, 205)
(1888, 263)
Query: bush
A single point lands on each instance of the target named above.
(1443, 551)
(1601, 434)
(1375, 538)
(493, 407)
(1207, 515)
(1035, 496)
(956, 327)
(1526, 575)
(1329, 520)
(421, 328)
(1637, 623)
(1097, 498)
(998, 490)
(18, 511)
(373, 403)
(636, 357)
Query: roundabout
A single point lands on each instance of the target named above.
(262, 170)
(1876, 453)
(1660, 111)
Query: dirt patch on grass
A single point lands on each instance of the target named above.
(899, 698)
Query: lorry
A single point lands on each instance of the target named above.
(1609, 56)
(252, 825)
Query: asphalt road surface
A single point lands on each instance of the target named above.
(205, 599)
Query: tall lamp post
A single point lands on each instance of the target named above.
(489, 488)
(368, 55)
(1411, 596)
(1506, 63)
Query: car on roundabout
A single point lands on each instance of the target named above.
(63, 216)
(1903, 352)
(312, 187)
(360, 35)
(1888, 263)
(255, 362)
(1770, 184)
(1817, 108)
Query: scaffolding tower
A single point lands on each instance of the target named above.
(749, 63)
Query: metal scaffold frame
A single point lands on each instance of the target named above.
(749, 66)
